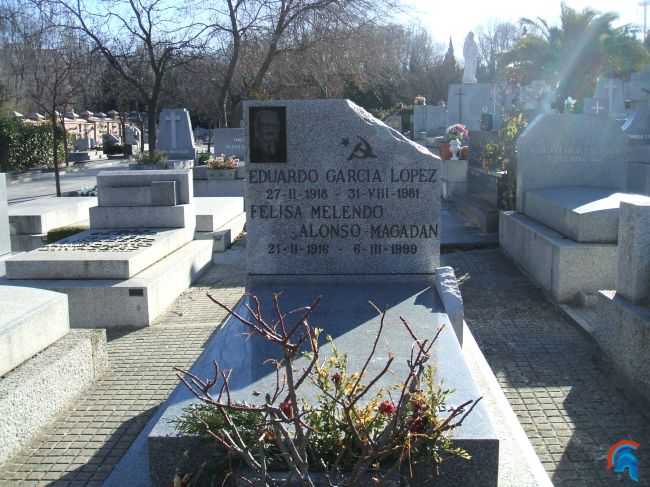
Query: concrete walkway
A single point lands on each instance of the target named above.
(565, 396)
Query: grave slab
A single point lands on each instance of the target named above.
(634, 251)
(622, 330)
(229, 141)
(213, 212)
(175, 135)
(98, 254)
(133, 179)
(560, 266)
(345, 315)
(583, 214)
(44, 214)
(179, 216)
(34, 393)
(31, 320)
(134, 302)
(570, 150)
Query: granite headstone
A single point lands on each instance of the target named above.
(229, 142)
(610, 90)
(570, 150)
(467, 103)
(353, 198)
(175, 135)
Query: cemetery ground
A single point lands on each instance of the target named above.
(568, 401)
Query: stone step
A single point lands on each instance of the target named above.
(31, 320)
(43, 214)
(212, 213)
(478, 212)
(224, 236)
(179, 216)
(134, 302)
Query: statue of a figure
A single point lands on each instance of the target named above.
(470, 53)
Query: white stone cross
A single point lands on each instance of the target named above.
(610, 86)
(173, 118)
(598, 108)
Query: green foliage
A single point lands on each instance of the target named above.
(60, 233)
(204, 157)
(24, 145)
(501, 155)
(149, 157)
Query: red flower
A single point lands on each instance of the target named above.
(387, 408)
(418, 424)
(336, 378)
(287, 409)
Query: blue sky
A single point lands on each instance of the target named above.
(456, 19)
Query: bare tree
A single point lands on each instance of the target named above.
(143, 40)
(494, 38)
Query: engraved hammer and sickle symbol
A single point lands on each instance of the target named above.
(362, 150)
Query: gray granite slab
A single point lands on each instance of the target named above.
(570, 150)
(229, 142)
(44, 214)
(634, 251)
(106, 180)
(5, 242)
(175, 133)
(98, 254)
(466, 104)
(581, 213)
(354, 196)
(164, 193)
(345, 315)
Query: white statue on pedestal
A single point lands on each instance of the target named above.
(470, 53)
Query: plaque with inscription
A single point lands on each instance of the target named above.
(354, 198)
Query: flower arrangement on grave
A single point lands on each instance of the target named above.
(569, 104)
(456, 132)
(420, 100)
(350, 428)
(222, 162)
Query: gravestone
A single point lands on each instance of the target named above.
(467, 103)
(353, 198)
(229, 142)
(570, 172)
(132, 135)
(135, 260)
(175, 135)
(637, 128)
(352, 214)
(437, 121)
(419, 126)
(596, 106)
(610, 91)
(570, 150)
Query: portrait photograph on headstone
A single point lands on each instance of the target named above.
(268, 134)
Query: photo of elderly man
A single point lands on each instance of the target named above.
(268, 135)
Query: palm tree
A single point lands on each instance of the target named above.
(574, 54)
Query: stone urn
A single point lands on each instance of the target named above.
(454, 148)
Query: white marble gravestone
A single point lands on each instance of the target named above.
(175, 135)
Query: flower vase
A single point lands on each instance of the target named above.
(454, 148)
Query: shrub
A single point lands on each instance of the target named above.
(60, 233)
(25, 145)
(353, 425)
(148, 157)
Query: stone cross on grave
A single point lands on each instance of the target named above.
(460, 94)
(597, 108)
(173, 118)
(610, 86)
